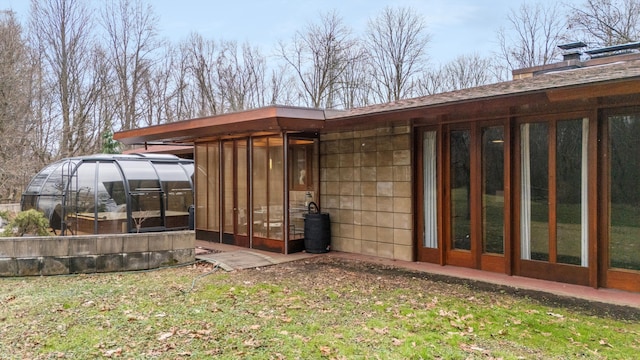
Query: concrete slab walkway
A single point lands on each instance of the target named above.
(230, 257)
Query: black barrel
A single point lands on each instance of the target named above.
(317, 231)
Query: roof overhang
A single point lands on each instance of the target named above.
(270, 119)
(593, 83)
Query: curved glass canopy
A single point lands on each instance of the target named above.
(108, 194)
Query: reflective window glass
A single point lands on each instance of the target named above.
(80, 209)
(493, 190)
(178, 193)
(460, 182)
(112, 200)
(623, 195)
(38, 180)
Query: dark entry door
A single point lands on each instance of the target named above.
(235, 193)
(461, 240)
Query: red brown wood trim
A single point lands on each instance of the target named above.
(516, 255)
(570, 274)
(508, 195)
(441, 196)
(603, 219)
(552, 168)
(418, 233)
(629, 86)
(623, 280)
(593, 186)
(475, 155)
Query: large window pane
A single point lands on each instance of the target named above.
(460, 184)
(242, 165)
(570, 186)
(212, 195)
(201, 186)
(80, 208)
(259, 177)
(302, 187)
(534, 225)
(624, 194)
(275, 175)
(493, 190)
(145, 192)
(112, 200)
(178, 194)
(228, 193)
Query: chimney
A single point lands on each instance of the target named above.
(572, 51)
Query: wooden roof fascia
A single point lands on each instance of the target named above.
(623, 87)
(475, 109)
(274, 118)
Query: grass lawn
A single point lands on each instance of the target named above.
(322, 307)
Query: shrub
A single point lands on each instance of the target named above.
(28, 222)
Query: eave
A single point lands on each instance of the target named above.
(269, 119)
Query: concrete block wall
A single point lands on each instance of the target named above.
(366, 184)
(28, 256)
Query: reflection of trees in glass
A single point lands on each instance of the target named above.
(569, 162)
(460, 183)
(624, 142)
(492, 188)
(569, 187)
(624, 194)
(539, 155)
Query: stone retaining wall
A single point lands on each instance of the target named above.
(59, 255)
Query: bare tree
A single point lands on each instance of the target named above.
(15, 122)
(61, 32)
(355, 89)
(202, 64)
(606, 22)
(397, 42)
(131, 29)
(282, 87)
(533, 35)
(318, 55)
(465, 71)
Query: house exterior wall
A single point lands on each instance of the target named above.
(366, 186)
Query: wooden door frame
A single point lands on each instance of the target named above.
(476, 258)
(431, 255)
(550, 270)
(622, 279)
(463, 258)
(488, 261)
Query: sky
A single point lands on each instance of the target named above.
(456, 27)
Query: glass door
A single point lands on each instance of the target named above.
(620, 201)
(235, 193)
(554, 200)
(461, 240)
(494, 198)
(475, 206)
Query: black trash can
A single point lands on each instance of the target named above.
(192, 217)
(317, 231)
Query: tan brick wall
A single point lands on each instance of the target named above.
(366, 187)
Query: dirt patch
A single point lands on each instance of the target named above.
(315, 271)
